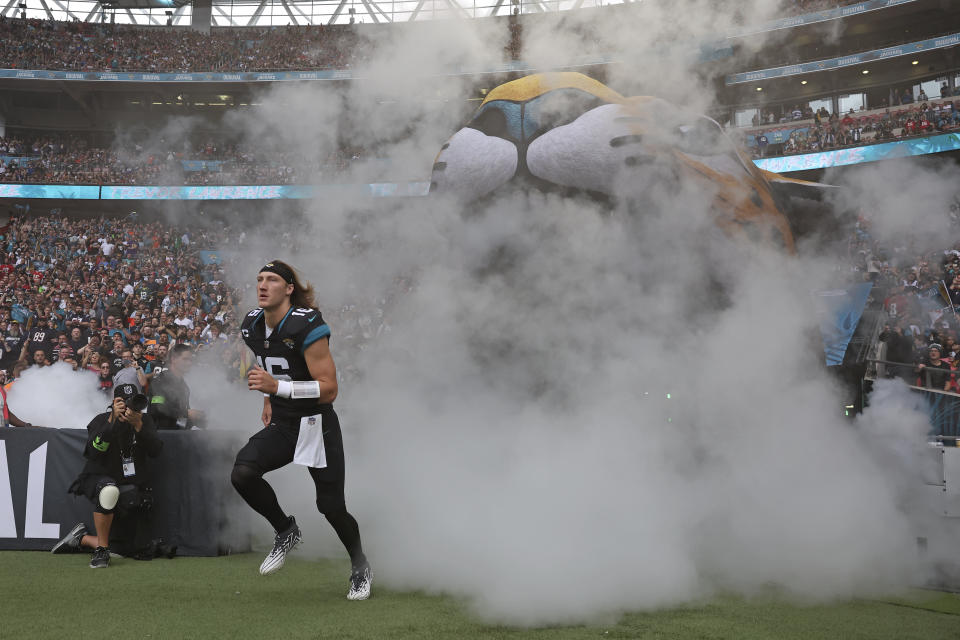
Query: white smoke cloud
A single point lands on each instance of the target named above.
(917, 211)
(57, 396)
(576, 412)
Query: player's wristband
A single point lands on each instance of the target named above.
(297, 389)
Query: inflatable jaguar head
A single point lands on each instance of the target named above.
(567, 131)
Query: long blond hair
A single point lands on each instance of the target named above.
(302, 296)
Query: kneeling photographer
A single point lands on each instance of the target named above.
(115, 477)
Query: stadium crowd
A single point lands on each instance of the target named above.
(105, 294)
(71, 160)
(102, 294)
(811, 131)
(86, 46)
(920, 293)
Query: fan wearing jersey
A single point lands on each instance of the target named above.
(296, 373)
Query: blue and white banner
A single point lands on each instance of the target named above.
(231, 192)
(856, 155)
(840, 311)
(210, 257)
(818, 16)
(20, 313)
(265, 192)
(280, 76)
(943, 42)
(17, 159)
(57, 191)
(202, 165)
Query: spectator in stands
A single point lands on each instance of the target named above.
(923, 96)
(12, 346)
(954, 290)
(906, 97)
(91, 361)
(106, 378)
(899, 349)
(130, 372)
(934, 372)
(762, 143)
(41, 338)
(39, 359)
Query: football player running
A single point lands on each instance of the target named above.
(298, 378)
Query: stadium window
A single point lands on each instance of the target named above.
(855, 101)
(929, 87)
(744, 117)
(825, 103)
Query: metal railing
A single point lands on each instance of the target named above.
(943, 406)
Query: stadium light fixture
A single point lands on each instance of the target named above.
(759, 88)
(915, 62)
(803, 82)
(866, 71)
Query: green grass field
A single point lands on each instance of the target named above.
(47, 596)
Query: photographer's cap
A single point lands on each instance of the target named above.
(125, 391)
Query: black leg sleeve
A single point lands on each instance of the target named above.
(331, 504)
(251, 486)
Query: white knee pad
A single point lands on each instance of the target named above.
(108, 496)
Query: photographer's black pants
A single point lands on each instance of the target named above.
(273, 447)
(132, 523)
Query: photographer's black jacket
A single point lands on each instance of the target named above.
(108, 442)
(169, 401)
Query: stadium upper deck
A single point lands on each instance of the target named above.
(267, 13)
(120, 68)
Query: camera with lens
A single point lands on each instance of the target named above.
(137, 402)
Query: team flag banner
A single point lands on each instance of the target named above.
(839, 311)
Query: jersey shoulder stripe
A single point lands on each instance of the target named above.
(299, 322)
(315, 334)
(251, 318)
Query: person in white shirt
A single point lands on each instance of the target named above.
(183, 320)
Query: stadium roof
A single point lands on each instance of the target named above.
(265, 13)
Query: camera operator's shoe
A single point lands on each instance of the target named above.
(100, 559)
(361, 581)
(283, 544)
(71, 542)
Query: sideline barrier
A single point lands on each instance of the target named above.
(942, 406)
(191, 488)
